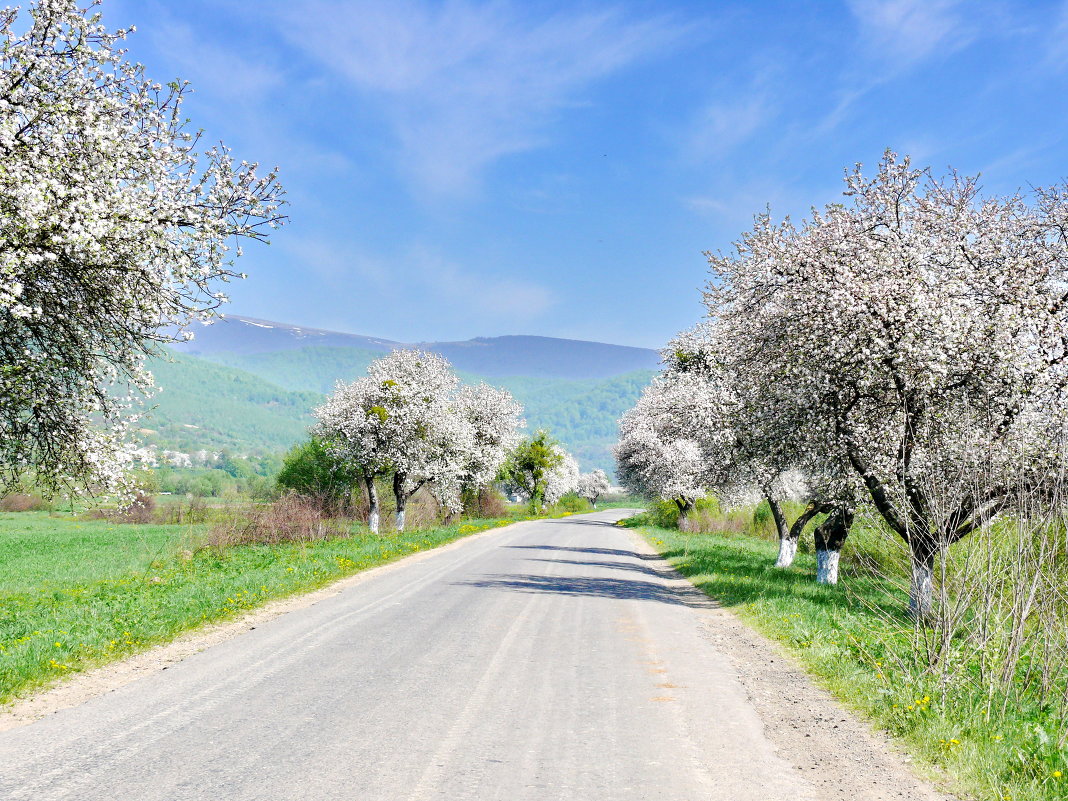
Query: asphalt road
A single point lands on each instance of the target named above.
(551, 660)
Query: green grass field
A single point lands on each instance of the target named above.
(854, 638)
(77, 593)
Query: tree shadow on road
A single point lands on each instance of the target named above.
(598, 587)
(595, 551)
(632, 566)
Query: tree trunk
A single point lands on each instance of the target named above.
(401, 498)
(921, 589)
(830, 537)
(372, 502)
(788, 544)
(685, 506)
(780, 519)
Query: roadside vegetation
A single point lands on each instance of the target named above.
(80, 590)
(889, 374)
(990, 721)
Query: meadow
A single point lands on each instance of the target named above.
(77, 592)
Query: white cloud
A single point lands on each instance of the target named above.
(418, 277)
(463, 84)
(908, 31)
(720, 127)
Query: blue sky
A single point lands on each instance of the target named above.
(467, 168)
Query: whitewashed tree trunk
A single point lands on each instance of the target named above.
(372, 502)
(787, 552)
(830, 536)
(827, 566)
(400, 520)
(921, 591)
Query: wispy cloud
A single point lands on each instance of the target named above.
(908, 31)
(896, 36)
(225, 72)
(419, 277)
(463, 84)
(721, 126)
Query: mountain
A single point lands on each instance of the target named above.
(205, 406)
(249, 386)
(536, 356)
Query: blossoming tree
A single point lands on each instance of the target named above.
(922, 329)
(408, 419)
(116, 230)
(593, 485)
(562, 478)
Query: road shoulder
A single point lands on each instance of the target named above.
(838, 752)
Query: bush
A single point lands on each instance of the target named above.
(139, 510)
(310, 469)
(486, 503)
(573, 503)
(292, 518)
(195, 510)
(23, 502)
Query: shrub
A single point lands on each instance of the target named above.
(194, 510)
(573, 503)
(292, 518)
(486, 503)
(23, 502)
(311, 469)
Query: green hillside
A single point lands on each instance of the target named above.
(208, 406)
(261, 403)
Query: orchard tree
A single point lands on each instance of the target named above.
(116, 230)
(562, 478)
(664, 442)
(352, 425)
(401, 420)
(593, 485)
(495, 419)
(922, 328)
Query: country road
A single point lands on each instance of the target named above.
(549, 661)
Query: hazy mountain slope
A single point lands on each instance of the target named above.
(267, 405)
(315, 369)
(206, 406)
(488, 356)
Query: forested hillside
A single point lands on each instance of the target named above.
(262, 402)
(202, 405)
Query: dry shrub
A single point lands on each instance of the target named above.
(422, 511)
(998, 629)
(139, 510)
(23, 502)
(292, 518)
(487, 503)
(193, 511)
(713, 521)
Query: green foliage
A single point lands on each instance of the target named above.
(573, 504)
(311, 469)
(529, 464)
(207, 406)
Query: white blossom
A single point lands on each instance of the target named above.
(116, 230)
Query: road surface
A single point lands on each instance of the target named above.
(549, 661)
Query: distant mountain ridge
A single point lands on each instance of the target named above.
(515, 355)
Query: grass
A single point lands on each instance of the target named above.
(854, 638)
(78, 593)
